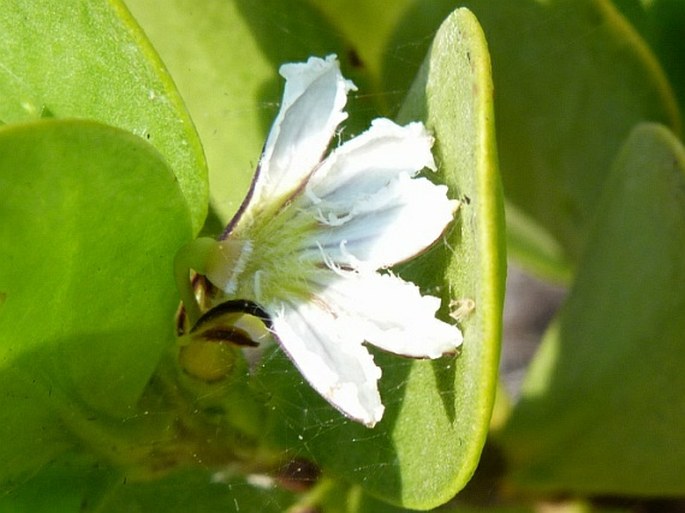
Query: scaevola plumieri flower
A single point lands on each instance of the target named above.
(310, 246)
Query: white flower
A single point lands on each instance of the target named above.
(312, 234)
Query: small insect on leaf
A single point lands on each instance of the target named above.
(460, 309)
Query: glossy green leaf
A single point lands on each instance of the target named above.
(90, 60)
(90, 220)
(225, 56)
(437, 413)
(571, 80)
(602, 408)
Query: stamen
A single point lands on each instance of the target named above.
(233, 306)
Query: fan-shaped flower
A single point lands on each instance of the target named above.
(311, 243)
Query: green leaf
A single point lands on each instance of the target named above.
(224, 57)
(437, 413)
(602, 407)
(572, 78)
(90, 60)
(90, 220)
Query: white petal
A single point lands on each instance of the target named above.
(331, 359)
(391, 314)
(394, 224)
(368, 162)
(312, 107)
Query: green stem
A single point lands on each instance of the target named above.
(192, 256)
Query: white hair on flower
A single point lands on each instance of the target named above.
(318, 229)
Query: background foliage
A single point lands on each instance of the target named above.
(107, 167)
